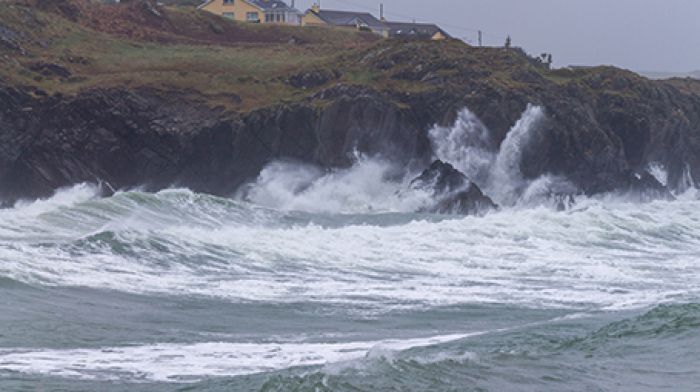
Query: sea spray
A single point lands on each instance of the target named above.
(506, 182)
(687, 181)
(373, 184)
(468, 146)
(659, 172)
(370, 185)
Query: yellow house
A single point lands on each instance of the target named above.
(254, 11)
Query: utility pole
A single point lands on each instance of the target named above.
(481, 35)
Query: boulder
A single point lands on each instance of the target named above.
(50, 69)
(312, 79)
(452, 190)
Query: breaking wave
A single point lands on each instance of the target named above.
(491, 358)
(606, 282)
(609, 254)
(468, 146)
(534, 358)
(370, 185)
(374, 184)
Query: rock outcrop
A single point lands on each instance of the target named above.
(140, 138)
(604, 127)
(452, 191)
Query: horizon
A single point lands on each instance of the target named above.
(583, 34)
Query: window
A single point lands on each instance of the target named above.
(252, 17)
(269, 18)
(229, 15)
(228, 2)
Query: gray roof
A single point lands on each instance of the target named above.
(402, 29)
(270, 5)
(348, 18)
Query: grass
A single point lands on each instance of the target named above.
(250, 70)
(239, 77)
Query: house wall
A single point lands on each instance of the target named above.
(311, 19)
(290, 18)
(438, 36)
(240, 9)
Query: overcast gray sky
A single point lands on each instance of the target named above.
(643, 35)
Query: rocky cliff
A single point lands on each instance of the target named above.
(66, 122)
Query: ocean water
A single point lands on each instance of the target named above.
(317, 280)
(178, 291)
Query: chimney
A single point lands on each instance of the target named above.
(316, 8)
(381, 12)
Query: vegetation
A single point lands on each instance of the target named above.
(239, 65)
(66, 46)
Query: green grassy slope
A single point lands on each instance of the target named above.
(66, 46)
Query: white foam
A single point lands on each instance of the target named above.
(192, 362)
(64, 197)
(467, 145)
(598, 255)
(368, 186)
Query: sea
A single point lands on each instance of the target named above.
(316, 280)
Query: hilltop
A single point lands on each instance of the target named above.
(143, 94)
(67, 46)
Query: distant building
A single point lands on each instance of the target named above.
(416, 30)
(254, 11)
(344, 19)
(366, 21)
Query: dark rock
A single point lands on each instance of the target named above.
(453, 192)
(602, 126)
(155, 140)
(50, 69)
(645, 187)
(67, 8)
(78, 60)
(152, 8)
(470, 201)
(440, 177)
(11, 39)
(312, 79)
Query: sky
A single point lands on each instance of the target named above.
(641, 35)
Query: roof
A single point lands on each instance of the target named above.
(402, 29)
(349, 18)
(270, 5)
(265, 5)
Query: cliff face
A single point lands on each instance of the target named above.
(129, 139)
(604, 127)
(143, 138)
